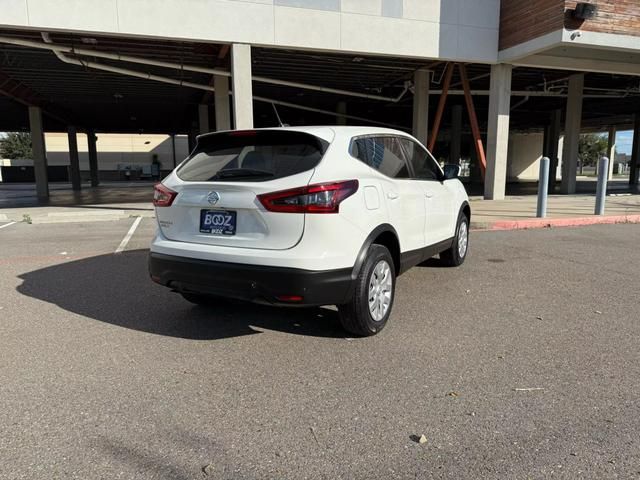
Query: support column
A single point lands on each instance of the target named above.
(572, 134)
(93, 158)
(551, 144)
(173, 149)
(242, 87)
(611, 150)
(39, 153)
(421, 83)
(191, 140)
(634, 172)
(456, 134)
(203, 118)
(74, 160)
(221, 99)
(341, 109)
(495, 180)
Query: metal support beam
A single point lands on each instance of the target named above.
(473, 119)
(498, 132)
(441, 104)
(39, 153)
(74, 159)
(93, 158)
(634, 172)
(456, 135)
(572, 134)
(421, 83)
(221, 103)
(242, 87)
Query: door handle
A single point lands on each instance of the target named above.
(392, 195)
(429, 195)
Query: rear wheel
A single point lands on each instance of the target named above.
(454, 256)
(370, 306)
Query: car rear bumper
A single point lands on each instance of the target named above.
(255, 283)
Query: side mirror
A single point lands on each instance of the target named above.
(451, 171)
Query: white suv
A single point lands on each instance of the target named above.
(307, 216)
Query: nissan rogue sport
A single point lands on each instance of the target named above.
(307, 216)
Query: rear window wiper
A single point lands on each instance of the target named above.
(241, 172)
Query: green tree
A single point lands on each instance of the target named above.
(16, 145)
(592, 146)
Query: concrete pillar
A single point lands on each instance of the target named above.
(74, 160)
(421, 83)
(341, 109)
(611, 150)
(39, 153)
(191, 140)
(456, 134)
(203, 118)
(222, 106)
(634, 172)
(242, 86)
(173, 149)
(551, 145)
(572, 134)
(93, 158)
(495, 180)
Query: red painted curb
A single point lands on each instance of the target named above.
(530, 223)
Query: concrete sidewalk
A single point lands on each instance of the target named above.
(563, 210)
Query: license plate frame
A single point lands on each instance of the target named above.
(218, 222)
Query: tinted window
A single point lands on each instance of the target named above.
(252, 156)
(382, 153)
(424, 166)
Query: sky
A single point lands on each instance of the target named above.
(623, 142)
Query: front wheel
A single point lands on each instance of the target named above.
(370, 306)
(454, 256)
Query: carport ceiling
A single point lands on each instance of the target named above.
(117, 103)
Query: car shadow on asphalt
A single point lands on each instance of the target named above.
(116, 289)
(432, 262)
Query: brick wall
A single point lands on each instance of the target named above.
(523, 20)
(614, 16)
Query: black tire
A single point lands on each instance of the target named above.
(203, 300)
(453, 257)
(355, 316)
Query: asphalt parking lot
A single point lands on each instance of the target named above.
(524, 363)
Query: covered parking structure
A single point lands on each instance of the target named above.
(73, 82)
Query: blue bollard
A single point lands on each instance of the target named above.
(601, 190)
(543, 187)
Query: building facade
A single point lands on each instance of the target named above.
(508, 39)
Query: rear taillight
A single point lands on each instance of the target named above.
(320, 198)
(163, 196)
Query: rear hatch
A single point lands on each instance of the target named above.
(218, 184)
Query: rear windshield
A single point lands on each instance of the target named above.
(252, 156)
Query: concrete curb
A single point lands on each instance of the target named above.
(530, 223)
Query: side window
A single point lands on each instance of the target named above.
(423, 164)
(382, 153)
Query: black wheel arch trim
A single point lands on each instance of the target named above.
(362, 255)
(462, 207)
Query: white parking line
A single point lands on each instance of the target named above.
(127, 237)
(7, 224)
